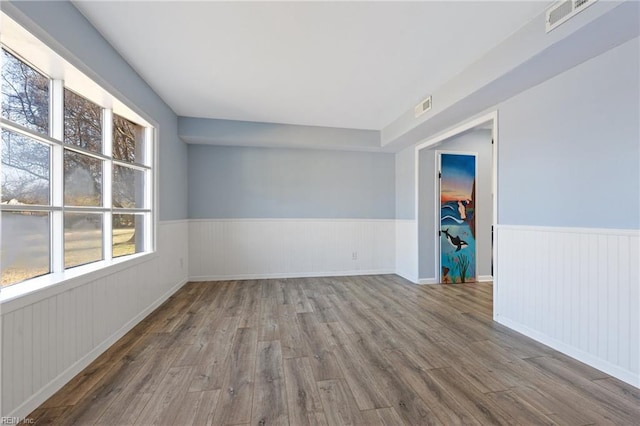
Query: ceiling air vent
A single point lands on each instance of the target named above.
(561, 11)
(422, 107)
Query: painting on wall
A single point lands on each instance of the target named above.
(457, 218)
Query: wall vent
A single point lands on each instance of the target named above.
(422, 107)
(561, 11)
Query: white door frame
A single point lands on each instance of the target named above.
(491, 117)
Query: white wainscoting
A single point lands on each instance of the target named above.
(48, 340)
(407, 249)
(223, 249)
(576, 290)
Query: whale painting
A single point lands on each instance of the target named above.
(457, 218)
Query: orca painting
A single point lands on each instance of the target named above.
(457, 218)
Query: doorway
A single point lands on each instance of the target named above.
(477, 137)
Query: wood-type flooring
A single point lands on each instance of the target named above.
(366, 350)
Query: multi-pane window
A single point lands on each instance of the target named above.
(75, 178)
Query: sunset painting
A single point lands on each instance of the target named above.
(457, 218)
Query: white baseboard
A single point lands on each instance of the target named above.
(481, 279)
(37, 399)
(595, 362)
(407, 277)
(290, 275)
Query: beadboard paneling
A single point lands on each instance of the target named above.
(576, 290)
(46, 341)
(222, 249)
(407, 249)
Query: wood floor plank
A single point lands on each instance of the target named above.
(483, 409)
(250, 310)
(45, 416)
(269, 394)
(290, 336)
(328, 351)
(620, 389)
(371, 418)
(316, 419)
(163, 405)
(209, 372)
(444, 406)
(125, 411)
(303, 399)
(234, 405)
(619, 409)
(339, 406)
(298, 298)
(197, 408)
(320, 305)
(522, 412)
(317, 348)
(388, 417)
(189, 355)
(90, 409)
(402, 397)
(361, 380)
(268, 327)
(553, 407)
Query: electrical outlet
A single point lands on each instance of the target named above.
(181, 263)
(354, 255)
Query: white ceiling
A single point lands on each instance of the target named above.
(340, 64)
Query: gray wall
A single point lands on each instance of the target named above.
(64, 28)
(569, 148)
(237, 182)
(477, 141)
(568, 151)
(405, 184)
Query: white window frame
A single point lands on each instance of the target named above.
(16, 40)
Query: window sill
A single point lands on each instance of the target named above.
(41, 288)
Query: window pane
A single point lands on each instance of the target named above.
(25, 170)
(82, 180)
(128, 141)
(128, 234)
(25, 94)
(24, 251)
(128, 187)
(82, 238)
(82, 122)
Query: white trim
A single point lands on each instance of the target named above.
(575, 230)
(412, 280)
(291, 275)
(430, 281)
(460, 128)
(172, 221)
(595, 362)
(290, 219)
(480, 279)
(152, 156)
(63, 378)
